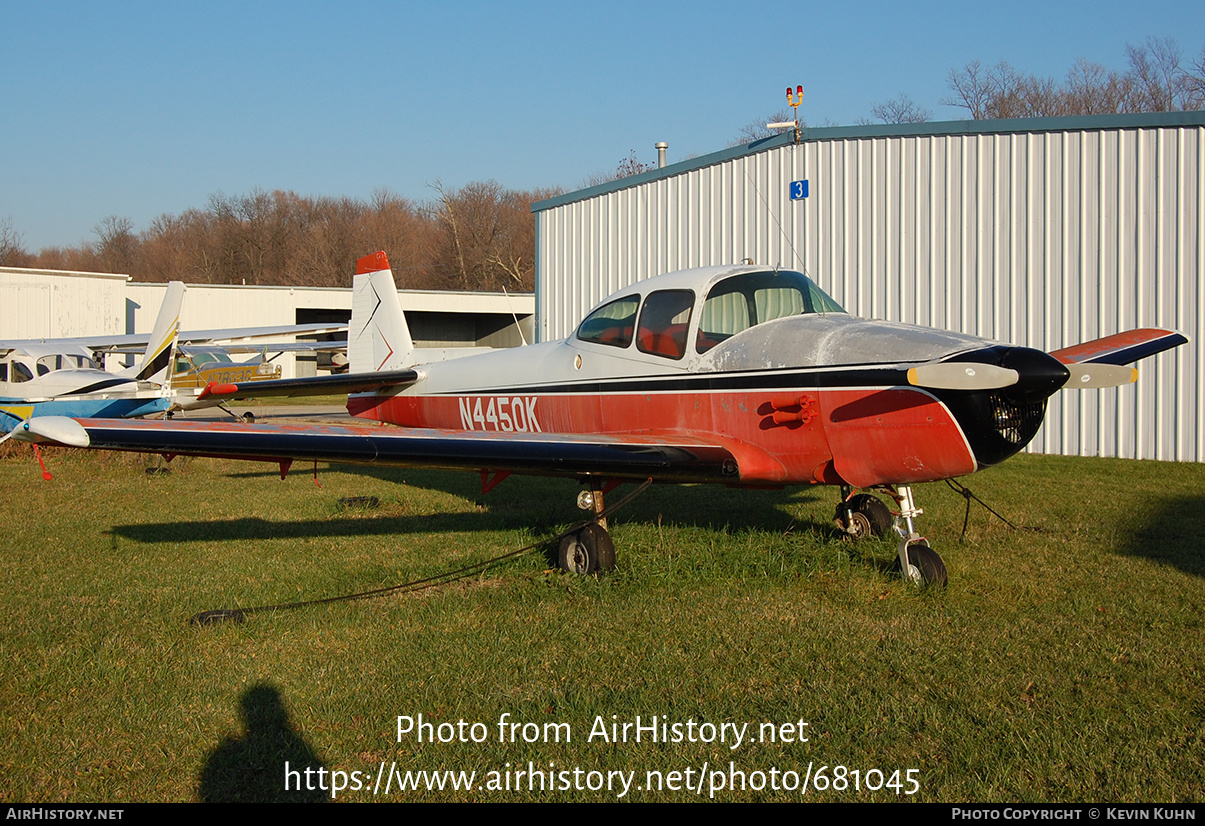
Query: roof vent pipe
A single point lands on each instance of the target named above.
(661, 147)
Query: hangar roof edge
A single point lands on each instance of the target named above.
(887, 130)
(41, 273)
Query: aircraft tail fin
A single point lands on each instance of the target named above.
(378, 337)
(156, 363)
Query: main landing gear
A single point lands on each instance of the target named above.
(589, 549)
(861, 515)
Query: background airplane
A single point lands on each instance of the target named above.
(57, 378)
(66, 377)
(199, 366)
(744, 376)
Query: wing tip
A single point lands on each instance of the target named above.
(59, 429)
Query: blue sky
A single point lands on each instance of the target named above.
(139, 109)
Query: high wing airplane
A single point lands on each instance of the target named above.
(741, 375)
(59, 378)
(66, 376)
(199, 366)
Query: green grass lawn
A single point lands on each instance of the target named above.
(1063, 662)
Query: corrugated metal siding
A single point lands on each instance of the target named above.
(52, 304)
(1044, 238)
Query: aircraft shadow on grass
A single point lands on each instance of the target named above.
(251, 768)
(1173, 535)
(542, 507)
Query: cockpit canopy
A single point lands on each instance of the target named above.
(662, 326)
(20, 366)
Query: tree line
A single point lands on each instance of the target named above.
(478, 237)
(1159, 78)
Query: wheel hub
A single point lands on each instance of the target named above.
(857, 526)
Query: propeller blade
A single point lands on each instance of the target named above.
(962, 375)
(1088, 375)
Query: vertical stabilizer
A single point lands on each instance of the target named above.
(378, 337)
(156, 363)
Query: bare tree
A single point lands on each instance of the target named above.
(1155, 68)
(1194, 84)
(1092, 89)
(1003, 92)
(12, 246)
(446, 211)
(1157, 81)
(971, 89)
(901, 109)
(489, 236)
(481, 236)
(631, 165)
(118, 244)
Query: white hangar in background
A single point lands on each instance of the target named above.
(61, 303)
(1042, 232)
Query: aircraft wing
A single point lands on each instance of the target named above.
(269, 346)
(1122, 348)
(247, 334)
(684, 459)
(343, 383)
(227, 339)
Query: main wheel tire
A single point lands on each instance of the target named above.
(875, 511)
(587, 551)
(925, 567)
(868, 516)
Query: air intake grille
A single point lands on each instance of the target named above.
(1016, 421)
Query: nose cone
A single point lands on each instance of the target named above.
(1040, 375)
(999, 422)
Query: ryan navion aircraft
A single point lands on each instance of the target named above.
(743, 376)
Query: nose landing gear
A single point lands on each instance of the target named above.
(861, 515)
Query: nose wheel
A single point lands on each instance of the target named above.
(924, 566)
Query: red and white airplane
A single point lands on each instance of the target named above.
(743, 376)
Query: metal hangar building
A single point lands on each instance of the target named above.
(1043, 232)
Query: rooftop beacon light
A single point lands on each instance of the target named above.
(793, 100)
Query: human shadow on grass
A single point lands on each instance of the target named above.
(268, 764)
(1173, 534)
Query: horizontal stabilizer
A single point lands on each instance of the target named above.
(232, 340)
(309, 385)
